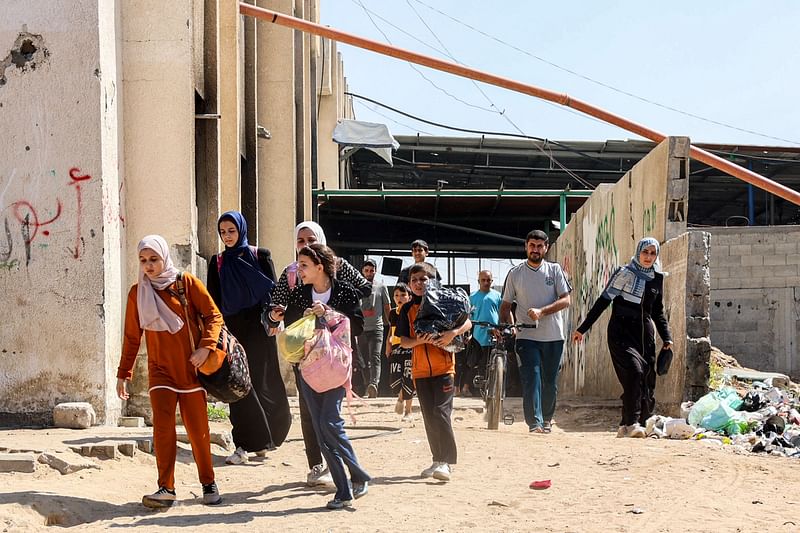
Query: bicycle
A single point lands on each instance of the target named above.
(492, 384)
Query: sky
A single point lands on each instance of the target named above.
(728, 69)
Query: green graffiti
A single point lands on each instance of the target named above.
(8, 265)
(649, 218)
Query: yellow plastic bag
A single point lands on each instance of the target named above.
(291, 341)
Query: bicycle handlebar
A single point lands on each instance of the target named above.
(502, 326)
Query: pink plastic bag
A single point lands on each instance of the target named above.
(329, 357)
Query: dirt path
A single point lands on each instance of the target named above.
(599, 483)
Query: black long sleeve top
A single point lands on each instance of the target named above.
(651, 307)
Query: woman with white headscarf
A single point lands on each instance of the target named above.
(306, 233)
(155, 309)
(636, 291)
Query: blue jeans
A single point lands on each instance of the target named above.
(540, 362)
(333, 442)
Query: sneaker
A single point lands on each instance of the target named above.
(408, 417)
(239, 457)
(360, 489)
(622, 432)
(547, 427)
(261, 453)
(336, 504)
(636, 432)
(428, 472)
(319, 475)
(442, 472)
(211, 494)
(399, 407)
(372, 390)
(160, 499)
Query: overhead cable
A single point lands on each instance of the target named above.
(603, 84)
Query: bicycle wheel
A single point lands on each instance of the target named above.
(494, 393)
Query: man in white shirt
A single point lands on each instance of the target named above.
(540, 290)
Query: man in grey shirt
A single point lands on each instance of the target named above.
(540, 290)
(376, 309)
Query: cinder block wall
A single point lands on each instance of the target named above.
(755, 295)
(650, 200)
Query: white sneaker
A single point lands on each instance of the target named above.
(408, 417)
(239, 457)
(428, 472)
(442, 472)
(636, 431)
(319, 475)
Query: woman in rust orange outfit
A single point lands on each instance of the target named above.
(154, 308)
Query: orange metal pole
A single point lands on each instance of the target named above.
(560, 98)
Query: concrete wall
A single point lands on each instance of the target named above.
(755, 295)
(102, 146)
(650, 200)
(59, 179)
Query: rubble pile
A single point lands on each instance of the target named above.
(751, 411)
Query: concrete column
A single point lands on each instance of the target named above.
(159, 131)
(59, 208)
(229, 83)
(250, 161)
(328, 151)
(158, 77)
(277, 170)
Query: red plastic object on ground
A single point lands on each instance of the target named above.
(540, 485)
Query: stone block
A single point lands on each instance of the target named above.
(762, 249)
(131, 422)
(102, 450)
(786, 248)
(730, 283)
(784, 271)
(773, 282)
(127, 448)
(793, 259)
(17, 462)
(74, 415)
(145, 445)
(222, 438)
(774, 260)
(697, 327)
(66, 463)
(752, 260)
(740, 249)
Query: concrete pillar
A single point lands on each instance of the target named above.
(229, 84)
(159, 132)
(59, 183)
(158, 77)
(250, 156)
(277, 170)
(328, 151)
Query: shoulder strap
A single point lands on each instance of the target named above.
(181, 294)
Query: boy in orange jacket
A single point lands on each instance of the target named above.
(433, 370)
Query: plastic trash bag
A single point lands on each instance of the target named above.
(708, 403)
(443, 309)
(291, 341)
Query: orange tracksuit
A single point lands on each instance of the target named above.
(172, 378)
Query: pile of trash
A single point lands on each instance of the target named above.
(752, 411)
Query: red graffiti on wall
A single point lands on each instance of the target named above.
(76, 179)
(30, 221)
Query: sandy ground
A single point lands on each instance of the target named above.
(599, 483)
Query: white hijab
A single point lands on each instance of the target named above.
(154, 313)
(315, 228)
